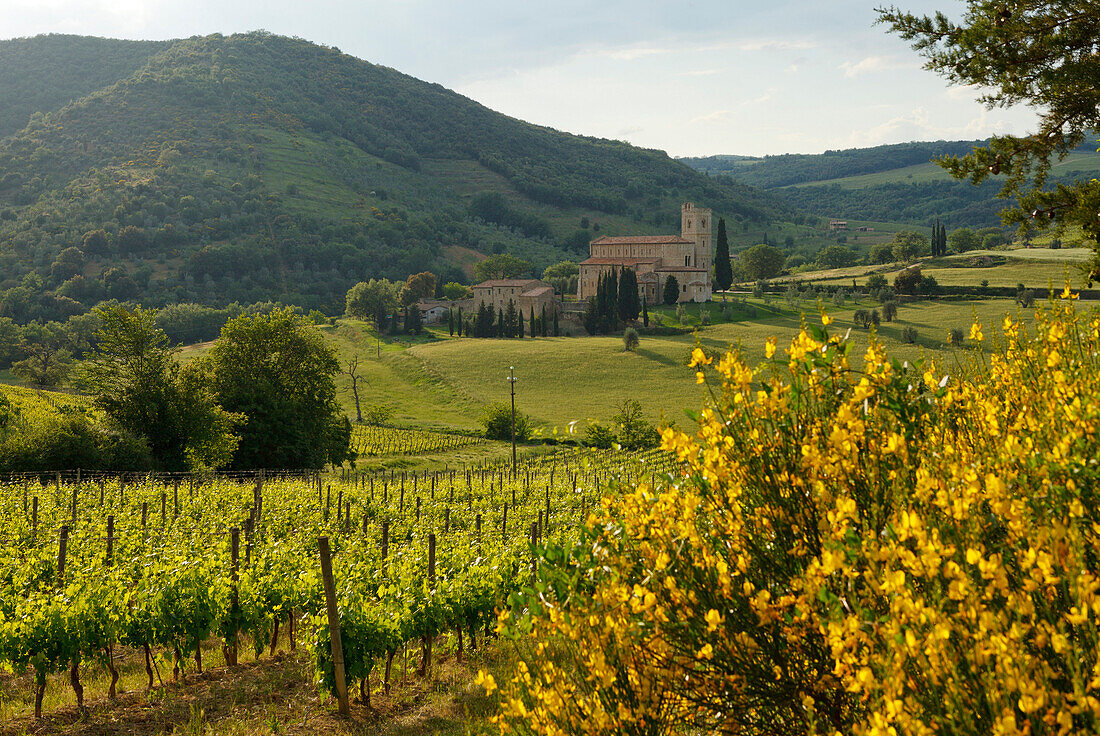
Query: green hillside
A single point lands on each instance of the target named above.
(256, 167)
(894, 183)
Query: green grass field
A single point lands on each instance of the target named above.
(442, 382)
(1036, 268)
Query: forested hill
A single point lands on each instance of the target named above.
(894, 183)
(801, 168)
(45, 73)
(257, 167)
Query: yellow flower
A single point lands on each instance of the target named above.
(714, 619)
(485, 680)
(826, 319)
(707, 652)
(769, 348)
(976, 332)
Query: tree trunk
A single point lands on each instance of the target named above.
(39, 692)
(148, 664)
(275, 637)
(112, 693)
(389, 667)
(74, 680)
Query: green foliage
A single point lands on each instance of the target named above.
(909, 334)
(630, 339)
(280, 375)
(1035, 52)
(635, 433)
(274, 193)
(417, 286)
(876, 281)
(723, 272)
(373, 300)
(836, 256)
(140, 387)
(956, 336)
(908, 244)
(908, 281)
(762, 262)
(497, 421)
(599, 436)
(889, 310)
(455, 291)
(502, 266)
(963, 239)
(671, 291)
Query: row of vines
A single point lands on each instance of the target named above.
(159, 566)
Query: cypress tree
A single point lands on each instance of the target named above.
(542, 322)
(612, 301)
(451, 322)
(556, 331)
(500, 323)
(672, 290)
(645, 311)
(533, 324)
(723, 272)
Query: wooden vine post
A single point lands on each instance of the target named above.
(336, 644)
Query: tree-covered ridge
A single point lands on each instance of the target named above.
(45, 73)
(798, 168)
(258, 167)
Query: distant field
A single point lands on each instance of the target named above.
(446, 382)
(1077, 163)
(1035, 268)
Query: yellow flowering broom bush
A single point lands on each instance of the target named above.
(872, 549)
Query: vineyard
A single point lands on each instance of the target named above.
(92, 568)
(372, 441)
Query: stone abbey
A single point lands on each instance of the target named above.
(654, 258)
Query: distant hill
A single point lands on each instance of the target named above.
(257, 167)
(895, 183)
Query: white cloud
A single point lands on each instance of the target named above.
(637, 52)
(717, 116)
(700, 73)
(872, 64)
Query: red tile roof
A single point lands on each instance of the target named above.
(640, 239)
(538, 291)
(602, 261)
(506, 282)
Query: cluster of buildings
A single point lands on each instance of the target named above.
(686, 257)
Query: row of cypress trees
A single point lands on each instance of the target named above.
(506, 323)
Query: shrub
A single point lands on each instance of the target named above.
(630, 339)
(839, 297)
(635, 433)
(956, 336)
(862, 318)
(376, 415)
(876, 281)
(704, 317)
(909, 334)
(908, 281)
(681, 313)
(878, 561)
(497, 421)
(599, 436)
(889, 310)
(875, 319)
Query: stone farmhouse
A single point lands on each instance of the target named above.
(654, 258)
(527, 294)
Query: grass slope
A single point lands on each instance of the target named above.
(444, 383)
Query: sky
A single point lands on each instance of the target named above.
(693, 78)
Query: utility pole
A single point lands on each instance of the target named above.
(512, 380)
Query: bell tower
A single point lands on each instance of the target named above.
(695, 225)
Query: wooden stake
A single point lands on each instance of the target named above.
(337, 646)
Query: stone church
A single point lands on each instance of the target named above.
(654, 258)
